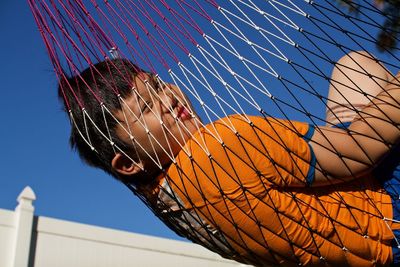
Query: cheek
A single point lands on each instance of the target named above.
(154, 126)
(176, 92)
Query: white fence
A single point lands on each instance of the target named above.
(35, 241)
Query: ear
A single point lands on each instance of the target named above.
(125, 166)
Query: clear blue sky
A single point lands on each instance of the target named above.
(34, 140)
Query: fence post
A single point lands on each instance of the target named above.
(24, 213)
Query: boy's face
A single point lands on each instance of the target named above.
(158, 116)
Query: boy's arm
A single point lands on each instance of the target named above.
(344, 155)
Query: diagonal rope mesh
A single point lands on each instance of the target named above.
(202, 102)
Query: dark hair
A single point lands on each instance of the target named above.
(99, 84)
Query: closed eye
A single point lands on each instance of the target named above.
(147, 106)
(154, 87)
(157, 84)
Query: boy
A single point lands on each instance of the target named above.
(252, 189)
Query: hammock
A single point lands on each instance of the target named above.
(241, 64)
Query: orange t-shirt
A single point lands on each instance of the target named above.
(248, 182)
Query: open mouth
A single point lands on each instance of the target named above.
(183, 113)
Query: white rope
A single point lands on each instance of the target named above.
(227, 86)
(233, 73)
(107, 128)
(254, 7)
(250, 23)
(294, 7)
(85, 126)
(79, 131)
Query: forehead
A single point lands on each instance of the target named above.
(142, 78)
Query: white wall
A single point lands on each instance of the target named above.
(7, 233)
(62, 243)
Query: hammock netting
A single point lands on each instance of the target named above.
(239, 63)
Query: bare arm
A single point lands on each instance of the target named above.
(344, 155)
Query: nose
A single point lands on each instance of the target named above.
(168, 102)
